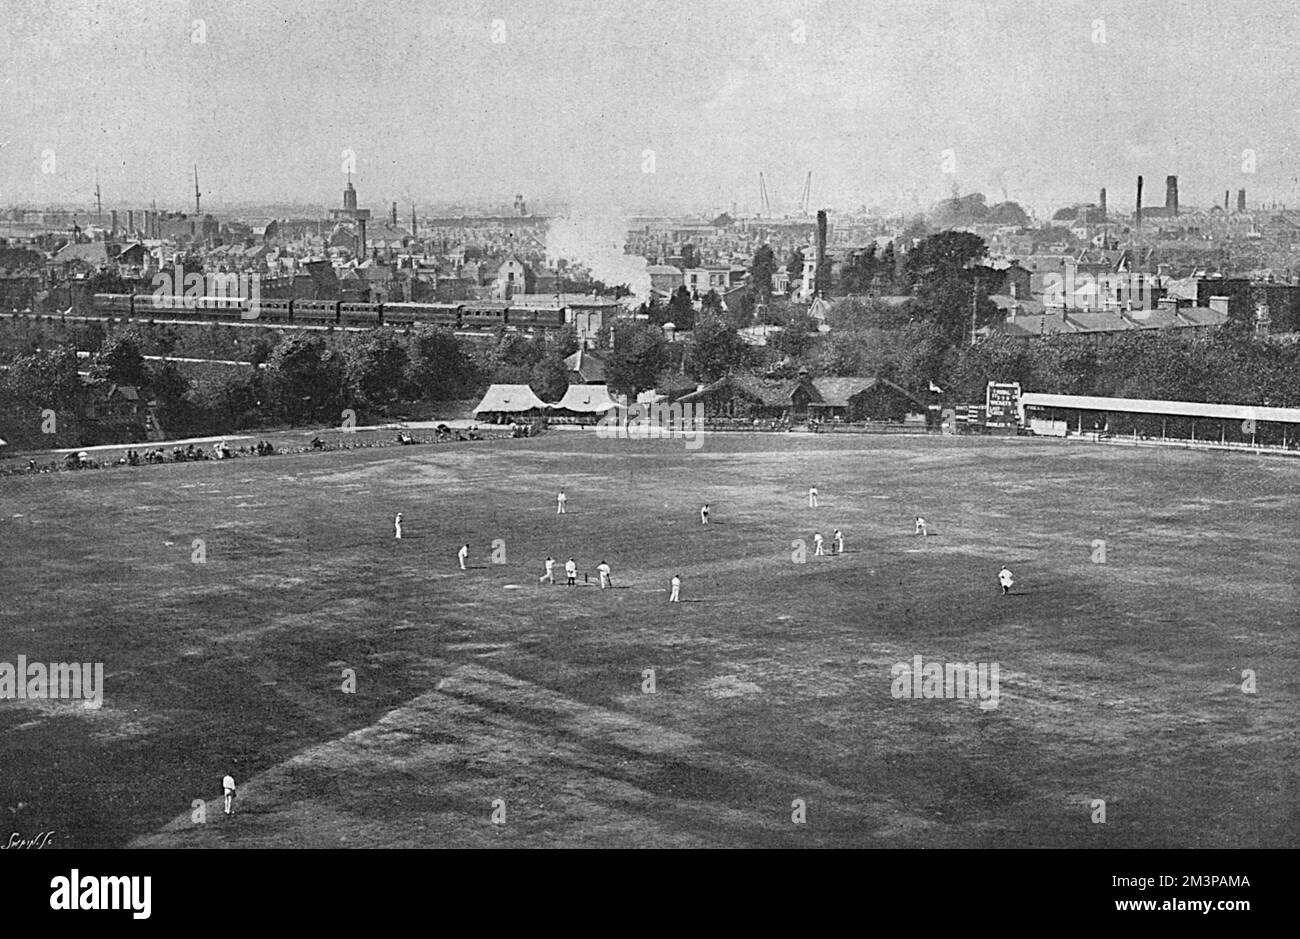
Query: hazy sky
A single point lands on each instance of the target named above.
(1024, 94)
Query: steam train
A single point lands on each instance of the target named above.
(473, 315)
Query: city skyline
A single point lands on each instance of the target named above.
(670, 109)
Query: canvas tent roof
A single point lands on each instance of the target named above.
(509, 399)
(586, 399)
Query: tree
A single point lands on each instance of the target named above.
(377, 370)
(656, 313)
(711, 304)
(307, 381)
(120, 360)
(549, 378)
(438, 367)
(888, 267)
(640, 354)
(565, 343)
(717, 349)
(798, 333)
(740, 312)
(859, 271)
(681, 309)
(761, 272)
(42, 399)
(945, 255)
(794, 266)
(868, 312)
(948, 286)
(690, 257)
(175, 411)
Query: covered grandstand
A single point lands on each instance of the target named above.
(1240, 425)
(503, 403)
(583, 404)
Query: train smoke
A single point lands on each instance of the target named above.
(596, 242)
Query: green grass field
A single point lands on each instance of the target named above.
(1119, 681)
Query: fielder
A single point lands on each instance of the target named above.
(1004, 578)
(570, 573)
(603, 569)
(549, 576)
(839, 541)
(704, 514)
(228, 786)
(920, 528)
(812, 498)
(817, 541)
(397, 526)
(560, 501)
(675, 596)
(462, 554)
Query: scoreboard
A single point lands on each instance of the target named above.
(1003, 404)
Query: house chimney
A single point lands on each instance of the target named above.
(1241, 200)
(1138, 214)
(1171, 194)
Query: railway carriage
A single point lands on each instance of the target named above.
(361, 314)
(484, 315)
(315, 312)
(113, 303)
(168, 305)
(275, 311)
(219, 308)
(413, 314)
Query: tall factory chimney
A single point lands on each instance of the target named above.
(1138, 213)
(1241, 200)
(821, 251)
(392, 216)
(1102, 202)
(130, 222)
(1171, 194)
(113, 215)
(362, 253)
(1226, 193)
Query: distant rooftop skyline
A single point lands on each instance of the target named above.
(665, 107)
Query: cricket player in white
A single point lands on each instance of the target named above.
(570, 573)
(462, 554)
(549, 576)
(228, 786)
(1004, 578)
(603, 568)
(675, 596)
(812, 498)
(920, 527)
(704, 514)
(839, 541)
(817, 540)
(560, 501)
(397, 526)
